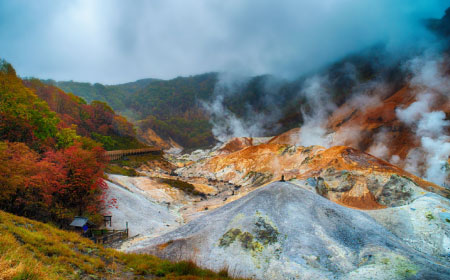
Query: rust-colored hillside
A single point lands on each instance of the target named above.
(342, 174)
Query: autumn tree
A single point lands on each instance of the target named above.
(122, 127)
(47, 170)
(23, 116)
(96, 120)
(17, 165)
(83, 186)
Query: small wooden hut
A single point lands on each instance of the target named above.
(82, 225)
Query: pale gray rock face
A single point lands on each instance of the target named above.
(282, 231)
(424, 224)
(143, 215)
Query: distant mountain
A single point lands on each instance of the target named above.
(441, 26)
(112, 95)
(182, 109)
(169, 107)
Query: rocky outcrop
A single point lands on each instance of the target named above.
(379, 117)
(289, 137)
(282, 231)
(150, 137)
(341, 174)
(235, 144)
(423, 224)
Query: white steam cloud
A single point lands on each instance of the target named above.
(225, 123)
(313, 130)
(430, 126)
(414, 112)
(380, 144)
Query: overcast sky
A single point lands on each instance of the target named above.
(118, 41)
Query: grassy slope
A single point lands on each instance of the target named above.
(34, 250)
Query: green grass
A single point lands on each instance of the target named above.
(116, 169)
(135, 161)
(116, 142)
(126, 166)
(34, 250)
(184, 186)
(150, 265)
(429, 216)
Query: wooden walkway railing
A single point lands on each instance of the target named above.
(117, 154)
(109, 236)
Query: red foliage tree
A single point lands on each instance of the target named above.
(122, 127)
(17, 165)
(62, 184)
(83, 186)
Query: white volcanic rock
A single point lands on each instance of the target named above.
(144, 216)
(281, 231)
(150, 188)
(423, 224)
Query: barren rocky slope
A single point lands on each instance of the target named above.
(144, 215)
(282, 231)
(342, 174)
(391, 224)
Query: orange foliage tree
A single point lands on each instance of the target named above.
(56, 187)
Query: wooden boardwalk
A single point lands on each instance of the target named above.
(118, 154)
(109, 236)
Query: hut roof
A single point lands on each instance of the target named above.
(80, 222)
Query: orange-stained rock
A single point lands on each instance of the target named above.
(150, 137)
(364, 201)
(377, 116)
(381, 117)
(236, 144)
(289, 137)
(351, 177)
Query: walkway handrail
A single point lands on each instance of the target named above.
(117, 154)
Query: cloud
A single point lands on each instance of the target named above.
(115, 41)
(437, 150)
(432, 124)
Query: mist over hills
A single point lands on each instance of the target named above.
(209, 103)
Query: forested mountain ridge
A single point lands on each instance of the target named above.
(182, 109)
(168, 107)
(188, 109)
(111, 94)
(95, 120)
